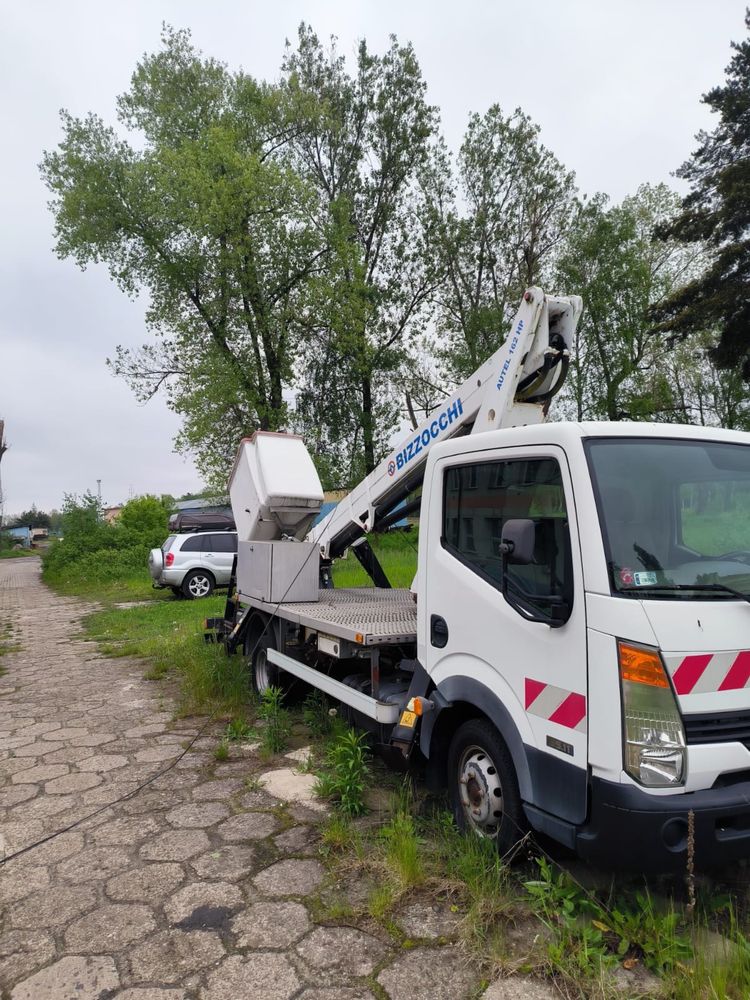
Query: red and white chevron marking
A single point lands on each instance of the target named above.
(555, 704)
(706, 672)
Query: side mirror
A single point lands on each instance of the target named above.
(517, 546)
(518, 541)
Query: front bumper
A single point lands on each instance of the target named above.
(628, 828)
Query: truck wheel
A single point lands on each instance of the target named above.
(483, 785)
(198, 583)
(264, 674)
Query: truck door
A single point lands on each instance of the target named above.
(471, 634)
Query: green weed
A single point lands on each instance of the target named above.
(277, 727)
(8, 643)
(239, 731)
(403, 849)
(344, 777)
(317, 714)
(719, 972)
(338, 834)
(591, 934)
(473, 864)
(221, 750)
(380, 902)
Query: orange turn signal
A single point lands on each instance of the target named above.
(415, 705)
(641, 666)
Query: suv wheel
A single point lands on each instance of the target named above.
(198, 584)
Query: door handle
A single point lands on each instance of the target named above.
(438, 631)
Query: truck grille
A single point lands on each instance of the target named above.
(717, 727)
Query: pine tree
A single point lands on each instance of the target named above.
(717, 211)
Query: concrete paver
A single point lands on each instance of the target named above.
(193, 887)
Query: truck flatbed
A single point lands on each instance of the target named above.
(367, 616)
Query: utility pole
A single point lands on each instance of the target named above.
(3, 449)
(99, 498)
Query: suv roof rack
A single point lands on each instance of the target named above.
(184, 523)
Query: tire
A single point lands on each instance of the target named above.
(483, 786)
(264, 674)
(198, 583)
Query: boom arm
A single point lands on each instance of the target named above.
(512, 388)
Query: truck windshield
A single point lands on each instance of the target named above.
(674, 513)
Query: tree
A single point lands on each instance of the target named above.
(31, 518)
(611, 259)
(362, 149)
(204, 212)
(717, 212)
(81, 518)
(497, 227)
(705, 394)
(146, 517)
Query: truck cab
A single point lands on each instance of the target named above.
(612, 657)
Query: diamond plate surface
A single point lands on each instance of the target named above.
(379, 616)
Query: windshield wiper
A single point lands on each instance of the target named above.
(717, 587)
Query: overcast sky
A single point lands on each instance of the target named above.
(614, 84)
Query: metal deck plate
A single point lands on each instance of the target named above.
(379, 616)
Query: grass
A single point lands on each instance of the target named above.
(535, 918)
(169, 634)
(8, 643)
(397, 554)
(17, 553)
(134, 587)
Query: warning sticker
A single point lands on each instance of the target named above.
(408, 719)
(644, 579)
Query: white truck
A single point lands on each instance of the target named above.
(574, 653)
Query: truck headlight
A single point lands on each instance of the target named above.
(653, 734)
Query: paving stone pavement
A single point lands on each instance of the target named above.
(196, 888)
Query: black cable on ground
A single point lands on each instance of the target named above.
(110, 805)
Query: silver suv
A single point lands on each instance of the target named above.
(194, 564)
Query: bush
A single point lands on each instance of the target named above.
(93, 551)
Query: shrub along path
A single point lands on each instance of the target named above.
(202, 885)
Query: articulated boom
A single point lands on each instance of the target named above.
(512, 388)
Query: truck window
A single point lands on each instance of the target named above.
(674, 513)
(479, 498)
(194, 544)
(714, 517)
